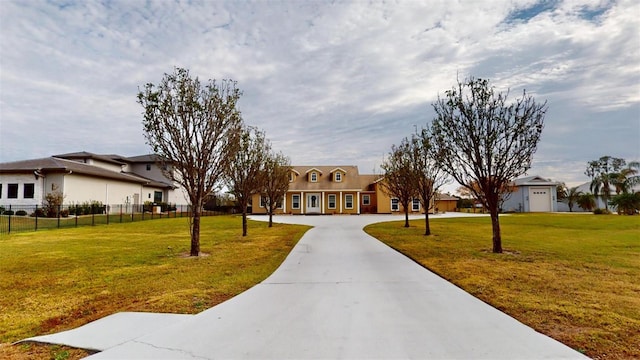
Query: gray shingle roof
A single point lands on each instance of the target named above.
(113, 159)
(58, 165)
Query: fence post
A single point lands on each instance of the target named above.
(120, 213)
(10, 212)
(93, 215)
(106, 212)
(59, 216)
(36, 213)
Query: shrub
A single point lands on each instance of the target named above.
(64, 213)
(627, 203)
(39, 212)
(21, 213)
(52, 202)
(8, 212)
(599, 211)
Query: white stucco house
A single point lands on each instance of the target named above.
(84, 176)
(532, 194)
(585, 188)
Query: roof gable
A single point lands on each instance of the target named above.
(533, 181)
(350, 180)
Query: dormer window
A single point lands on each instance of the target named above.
(313, 177)
(291, 177)
(337, 174)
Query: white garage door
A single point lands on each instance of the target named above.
(539, 199)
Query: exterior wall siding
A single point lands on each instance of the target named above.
(446, 205)
(80, 188)
(21, 179)
(519, 201)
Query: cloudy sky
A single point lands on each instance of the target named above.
(331, 82)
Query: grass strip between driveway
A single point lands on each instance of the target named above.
(56, 280)
(574, 277)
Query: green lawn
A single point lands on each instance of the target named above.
(54, 280)
(16, 223)
(573, 277)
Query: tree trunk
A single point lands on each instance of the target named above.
(195, 232)
(495, 224)
(406, 217)
(427, 228)
(270, 218)
(244, 223)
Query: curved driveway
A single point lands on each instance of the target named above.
(342, 294)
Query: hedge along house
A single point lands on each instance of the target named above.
(336, 190)
(532, 194)
(83, 177)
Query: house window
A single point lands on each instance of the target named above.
(348, 201)
(366, 199)
(332, 201)
(148, 167)
(262, 201)
(290, 177)
(395, 205)
(295, 201)
(28, 191)
(157, 196)
(314, 177)
(338, 176)
(415, 205)
(12, 191)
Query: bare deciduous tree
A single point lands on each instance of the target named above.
(245, 170)
(428, 176)
(275, 181)
(195, 129)
(399, 176)
(481, 139)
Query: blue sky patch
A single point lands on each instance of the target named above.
(526, 14)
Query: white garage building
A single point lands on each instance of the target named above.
(532, 194)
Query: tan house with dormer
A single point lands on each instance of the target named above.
(338, 190)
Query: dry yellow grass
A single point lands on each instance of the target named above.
(55, 280)
(575, 278)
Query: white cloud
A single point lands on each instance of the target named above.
(331, 82)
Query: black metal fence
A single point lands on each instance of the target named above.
(32, 218)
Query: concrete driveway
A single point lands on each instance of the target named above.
(341, 294)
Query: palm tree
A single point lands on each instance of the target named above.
(586, 201)
(571, 197)
(602, 172)
(601, 185)
(631, 174)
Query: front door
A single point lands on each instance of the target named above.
(313, 203)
